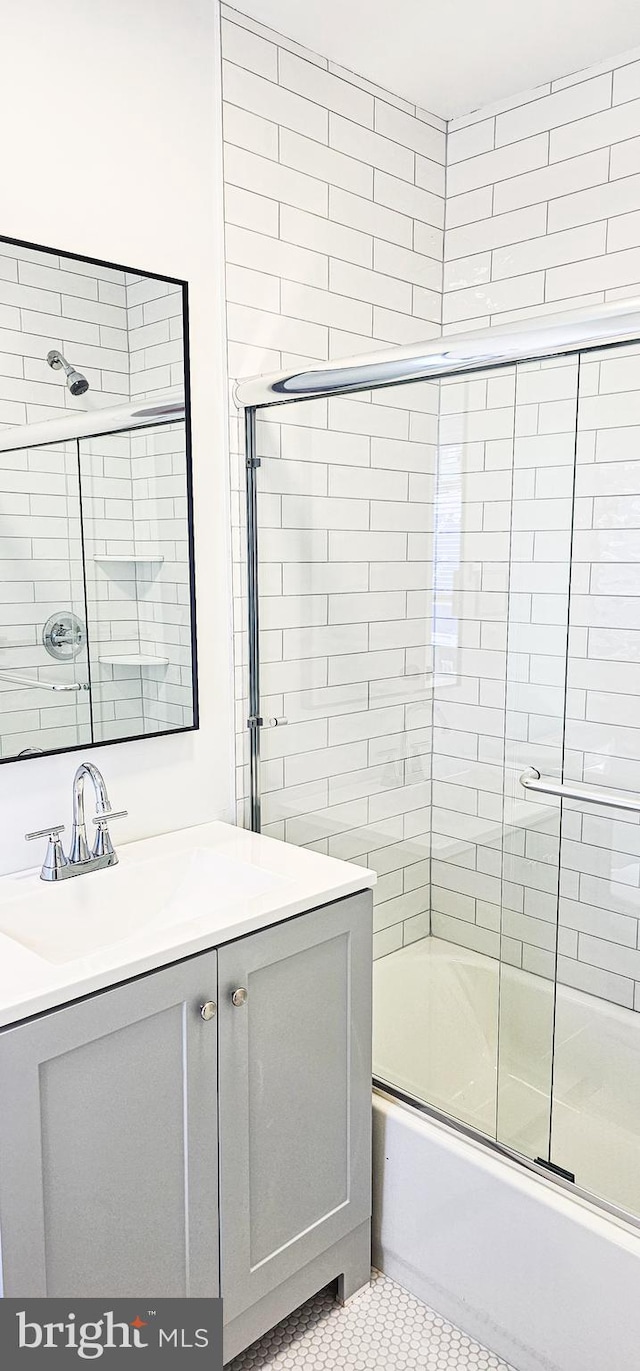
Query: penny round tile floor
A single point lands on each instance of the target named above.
(383, 1329)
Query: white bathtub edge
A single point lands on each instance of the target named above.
(544, 1280)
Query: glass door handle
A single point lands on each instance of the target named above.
(532, 780)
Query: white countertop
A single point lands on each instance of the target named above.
(287, 880)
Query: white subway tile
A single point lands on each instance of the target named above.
(387, 940)
(391, 327)
(470, 141)
(471, 207)
(247, 210)
(551, 111)
(623, 961)
(398, 454)
(250, 172)
(599, 273)
(353, 482)
(378, 91)
(326, 307)
(410, 132)
(406, 266)
(299, 511)
(407, 199)
(405, 515)
(324, 577)
(428, 240)
(602, 202)
(326, 164)
(250, 131)
(572, 245)
(246, 359)
(366, 546)
(430, 175)
(325, 762)
(368, 217)
(329, 91)
(324, 236)
(626, 83)
(371, 723)
(624, 158)
(370, 148)
(498, 165)
(245, 287)
(463, 272)
(57, 280)
(595, 981)
(254, 93)
(597, 131)
(562, 179)
(495, 297)
(369, 285)
(248, 50)
(275, 330)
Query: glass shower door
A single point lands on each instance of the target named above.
(596, 1109)
(414, 554)
(542, 518)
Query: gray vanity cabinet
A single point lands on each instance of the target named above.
(116, 1133)
(295, 1096)
(108, 1177)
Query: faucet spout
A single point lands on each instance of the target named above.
(80, 851)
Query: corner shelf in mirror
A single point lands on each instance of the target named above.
(133, 659)
(134, 557)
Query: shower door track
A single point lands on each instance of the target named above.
(510, 1154)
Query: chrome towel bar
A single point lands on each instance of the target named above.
(532, 780)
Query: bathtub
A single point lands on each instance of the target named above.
(543, 1278)
(529, 1266)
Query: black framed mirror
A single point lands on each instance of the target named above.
(97, 595)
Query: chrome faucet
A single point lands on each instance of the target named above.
(57, 866)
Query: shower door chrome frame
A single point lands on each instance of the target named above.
(254, 720)
(540, 338)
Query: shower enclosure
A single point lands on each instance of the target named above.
(443, 681)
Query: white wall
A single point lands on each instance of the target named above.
(93, 172)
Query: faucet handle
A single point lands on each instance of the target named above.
(103, 845)
(108, 814)
(51, 832)
(55, 858)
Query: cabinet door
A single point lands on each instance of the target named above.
(108, 1156)
(295, 1095)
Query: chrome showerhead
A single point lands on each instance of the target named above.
(76, 382)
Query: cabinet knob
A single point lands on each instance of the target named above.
(208, 1010)
(240, 997)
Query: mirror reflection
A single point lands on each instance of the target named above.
(96, 565)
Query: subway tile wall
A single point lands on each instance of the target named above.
(543, 214)
(543, 199)
(334, 209)
(332, 245)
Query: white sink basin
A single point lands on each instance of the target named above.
(71, 919)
